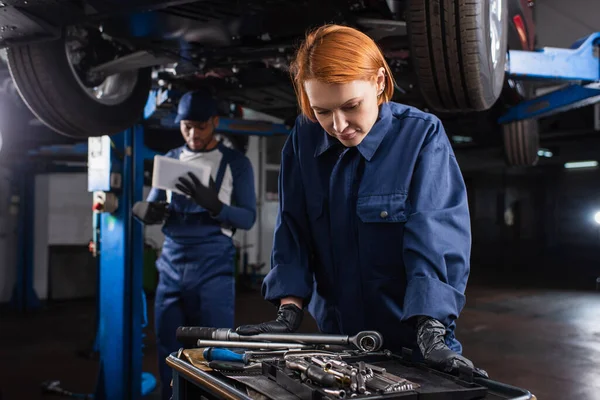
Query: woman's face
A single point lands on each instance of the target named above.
(346, 111)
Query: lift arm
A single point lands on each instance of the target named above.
(578, 66)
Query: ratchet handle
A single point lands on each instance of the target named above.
(189, 335)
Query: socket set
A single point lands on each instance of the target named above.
(315, 376)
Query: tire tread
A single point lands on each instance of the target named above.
(445, 43)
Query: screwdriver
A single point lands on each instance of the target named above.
(219, 354)
(223, 354)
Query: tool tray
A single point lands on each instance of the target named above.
(433, 385)
(274, 381)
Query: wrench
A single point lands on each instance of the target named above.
(251, 345)
(366, 341)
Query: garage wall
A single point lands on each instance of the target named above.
(62, 218)
(560, 23)
(537, 223)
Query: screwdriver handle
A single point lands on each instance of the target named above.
(219, 354)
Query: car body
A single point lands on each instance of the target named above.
(67, 57)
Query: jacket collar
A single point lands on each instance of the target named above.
(370, 143)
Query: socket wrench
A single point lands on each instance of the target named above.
(366, 341)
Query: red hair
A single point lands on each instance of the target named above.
(337, 54)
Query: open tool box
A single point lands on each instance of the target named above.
(319, 372)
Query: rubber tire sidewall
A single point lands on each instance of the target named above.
(46, 83)
(482, 92)
(492, 91)
(521, 143)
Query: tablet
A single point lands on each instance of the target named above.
(167, 171)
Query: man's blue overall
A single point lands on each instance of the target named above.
(196, 267)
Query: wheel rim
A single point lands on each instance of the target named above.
(110, 90)
(496, 31)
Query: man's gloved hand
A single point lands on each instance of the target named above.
(205, 197)
(430, 338)
(289, 319)
(150, 212)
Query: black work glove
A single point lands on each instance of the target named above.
(430, 338)
(205, 197)
(150, 212)
(289, 318)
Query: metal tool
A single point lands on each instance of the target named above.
(252, 345)
(312, 372)
(320, 363)
(386, 383)
(311, 353)
(366, 341)
(339, 393)
(353, 382)
(376, 368)
(362, 387)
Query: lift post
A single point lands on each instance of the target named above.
(115, 176)
(578, 66)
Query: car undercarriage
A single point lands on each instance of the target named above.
(84, 68)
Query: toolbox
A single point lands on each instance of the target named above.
(388, 376)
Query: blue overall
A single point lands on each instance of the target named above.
(196, 283)
(370, 236)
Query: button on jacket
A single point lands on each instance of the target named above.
(372, 235)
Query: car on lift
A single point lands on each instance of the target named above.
(85, 68)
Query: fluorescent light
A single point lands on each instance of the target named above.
(597, 217)
(461, 139)
(581, 164)
(545, 153)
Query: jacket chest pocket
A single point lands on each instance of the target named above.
(381, 221)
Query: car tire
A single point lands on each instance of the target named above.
(459, 66)
(48, 85)
(521, 143)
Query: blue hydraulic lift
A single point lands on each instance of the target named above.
(116, 177)
(579, 66)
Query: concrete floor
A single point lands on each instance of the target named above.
(547, 341)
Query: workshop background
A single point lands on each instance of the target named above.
(532, 317)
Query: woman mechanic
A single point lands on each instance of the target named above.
(373, 231)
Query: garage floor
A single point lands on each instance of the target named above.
(546, 341)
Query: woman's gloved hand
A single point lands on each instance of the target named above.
(150, 212)
(289, 319)
(430, 338)
(205, 197)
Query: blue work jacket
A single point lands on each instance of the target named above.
(372, 235)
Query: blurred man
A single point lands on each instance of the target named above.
(196, 266)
